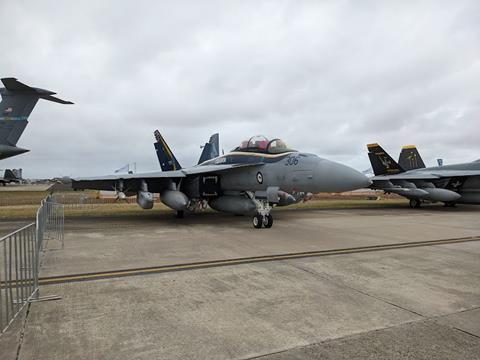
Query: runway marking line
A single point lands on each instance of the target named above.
(50, 280)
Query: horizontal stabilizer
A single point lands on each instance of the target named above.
(7, 151)
(55, 99)
(15, 86)
(18, 102)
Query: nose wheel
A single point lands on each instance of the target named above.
(257, 221)
(268, 221)
(415, 203)
(260, 220)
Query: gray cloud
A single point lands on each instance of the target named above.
(328, 77)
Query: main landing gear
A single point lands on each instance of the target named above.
(415, 203)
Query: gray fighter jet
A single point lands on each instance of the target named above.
(18, 101)
(251, 179)
(450, 184)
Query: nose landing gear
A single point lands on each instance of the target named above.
(262, 220)
(415, 203)
(263, 216)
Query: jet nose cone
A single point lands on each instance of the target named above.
(335, 177)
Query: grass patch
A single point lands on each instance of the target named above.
(123, 209)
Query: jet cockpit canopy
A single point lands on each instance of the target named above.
(260, 144)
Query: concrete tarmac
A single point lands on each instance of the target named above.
(415, 303)
(100, 244)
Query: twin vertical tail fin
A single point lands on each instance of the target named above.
(167, 160)
(11, 175)
(18, 101)
(410, 158)
(382, 163)
(210, 149)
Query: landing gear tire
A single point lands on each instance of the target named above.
(450, 204)
(268, 221)
(180, 214)
(257, 221)
(415, 203)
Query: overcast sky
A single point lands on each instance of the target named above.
(326, 76)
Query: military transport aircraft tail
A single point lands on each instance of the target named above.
(382, 163)
(410, 158)
(18, 101)
(167, 160)
(210, 149)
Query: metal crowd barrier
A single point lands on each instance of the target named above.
(20, 260)
(50, 222)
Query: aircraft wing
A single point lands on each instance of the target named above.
(156, 180)
(456, 173)
(149, 175)
(130, 182)
(204, 169)
(405, 177)
(434, 175)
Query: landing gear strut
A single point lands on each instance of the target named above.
(415, 203)
(263, 216)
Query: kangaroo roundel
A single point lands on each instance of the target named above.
(260, 177)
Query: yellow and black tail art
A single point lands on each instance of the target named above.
(410, 158)
(167, 160)
(382, 163)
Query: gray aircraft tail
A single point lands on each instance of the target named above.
(18, 101)
(410, 158)
(210, 149)
(11, 175)
(382, 163)
(167, 160)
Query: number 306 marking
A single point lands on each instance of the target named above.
(291, 160)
